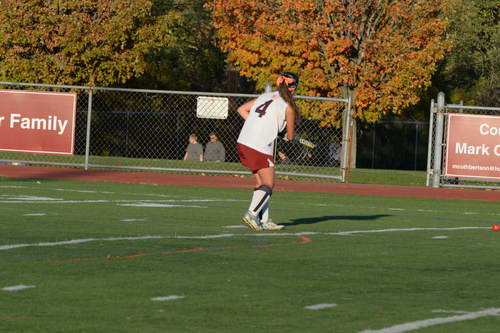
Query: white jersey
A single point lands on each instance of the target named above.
(265, 120)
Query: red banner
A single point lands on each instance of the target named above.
(37, 122)
(473, 146)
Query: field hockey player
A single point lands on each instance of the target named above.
(265, 117)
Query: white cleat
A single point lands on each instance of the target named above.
(270, 225)
(252, 221)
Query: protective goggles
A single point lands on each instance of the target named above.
(290, 79)
(293, 84)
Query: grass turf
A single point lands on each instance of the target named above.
(239, 280)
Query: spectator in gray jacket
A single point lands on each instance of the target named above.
(214, 150)
(194, 150)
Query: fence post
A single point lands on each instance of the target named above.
(374, 138)
(416, 146)
(347, 135)
(438, 140)
(430, 143)
(87, 139)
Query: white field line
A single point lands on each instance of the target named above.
(25, 198)
(320, 306)
(30, 199)
(92, 191)
(162, 195)
(158, 205)
(166, 298)
(408, 210)
(448, 311)
(133, 238)
(440, 237)
(402, 229)
(82, 191)
(16, 288)
(35, 214)
(435, 321)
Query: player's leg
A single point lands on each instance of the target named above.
(264, 213)
(265, 177)
(263, 190)
(260, 198)
(262, 166)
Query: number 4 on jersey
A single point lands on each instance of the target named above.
(261, 109)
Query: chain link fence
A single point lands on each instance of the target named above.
(472, 162)
(148, 130)
(392, 145)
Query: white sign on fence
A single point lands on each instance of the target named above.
(212, 107)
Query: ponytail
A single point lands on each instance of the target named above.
(288, 98)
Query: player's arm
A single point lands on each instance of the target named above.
(290, 123)
(244, 110)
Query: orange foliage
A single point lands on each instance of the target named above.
(76, 41)
(385, 50)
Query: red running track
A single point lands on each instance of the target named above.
(16, 171)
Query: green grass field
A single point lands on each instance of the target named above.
(106, 257)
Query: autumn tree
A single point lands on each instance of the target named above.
(77, 41)
(191, 60)
(386, 50)
(471, 72)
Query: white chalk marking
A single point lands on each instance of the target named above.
(16, 288)
(435, 321)
(56, 201)
(440, 237)
(448, 311)
(159, 205)
(82, 191)
(307, 233)
(77, 241)
(235, 227)
(418, 210)
(212, 200)
(402, 229)
(144, 203)
(166, 298)
(320, 306)
(33, 198)
(35, 214)
(207, 200)
(133, 220)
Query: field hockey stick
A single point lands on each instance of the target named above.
(275, 149)
(302, 141)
